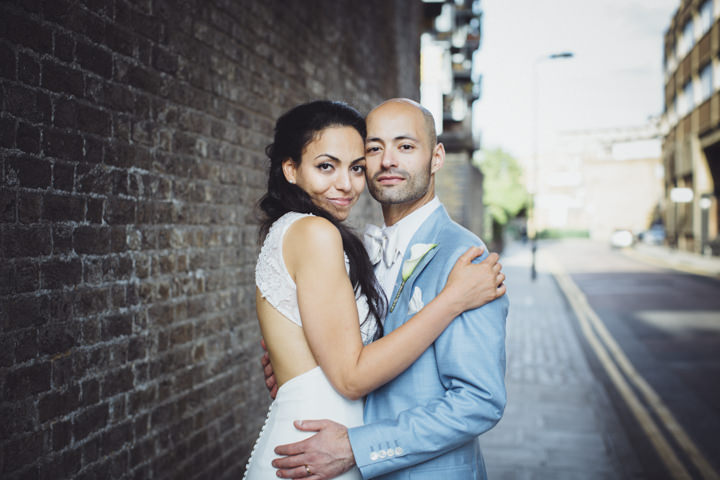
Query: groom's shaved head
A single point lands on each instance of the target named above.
(427, 116)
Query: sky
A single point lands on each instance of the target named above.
(614, 79)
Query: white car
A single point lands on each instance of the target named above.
(622, 238)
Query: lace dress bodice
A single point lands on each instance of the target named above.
(277, 286)
(310, 394)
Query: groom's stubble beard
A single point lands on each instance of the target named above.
(414, 188)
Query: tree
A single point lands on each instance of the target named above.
(504, 195)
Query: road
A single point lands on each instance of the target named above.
(652, 335)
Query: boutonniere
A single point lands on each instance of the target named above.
(417, 253)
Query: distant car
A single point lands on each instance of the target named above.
(655, 235)
(621, 238)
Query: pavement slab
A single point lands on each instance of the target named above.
(559, 422)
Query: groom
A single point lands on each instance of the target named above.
(423, 424)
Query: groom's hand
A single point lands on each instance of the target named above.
(270, 382)
(325, 455)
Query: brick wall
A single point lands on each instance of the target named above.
(458, 185)
(131, 140)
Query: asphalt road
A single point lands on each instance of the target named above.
(666, 325)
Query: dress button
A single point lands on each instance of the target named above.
(398, 451)
(373, 456)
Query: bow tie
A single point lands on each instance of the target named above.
(381, 244)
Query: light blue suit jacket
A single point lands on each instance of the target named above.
(424, 424)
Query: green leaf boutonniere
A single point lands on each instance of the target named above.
(417, 253)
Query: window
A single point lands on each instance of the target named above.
(689, 96)
(687, 40)
(686, 101)
(706, 16)
(672, 111)
(706, 82)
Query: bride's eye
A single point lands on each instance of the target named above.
(325, 167)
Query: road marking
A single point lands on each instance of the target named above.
(662, 263)
(588, 320)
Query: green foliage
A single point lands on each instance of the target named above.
(504, 195)
(554, 233)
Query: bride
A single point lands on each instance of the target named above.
(318, 302)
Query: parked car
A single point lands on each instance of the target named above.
(655, 235)
(621, 238)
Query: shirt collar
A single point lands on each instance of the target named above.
(407, 226)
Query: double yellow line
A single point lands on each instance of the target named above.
(624, 376)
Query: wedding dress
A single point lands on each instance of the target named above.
(309, 396)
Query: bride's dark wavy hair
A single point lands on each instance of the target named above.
(294, 130)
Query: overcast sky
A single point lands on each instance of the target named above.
(614, 80)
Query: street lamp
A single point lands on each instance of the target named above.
(532, 217)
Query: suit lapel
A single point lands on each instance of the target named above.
(427, 233)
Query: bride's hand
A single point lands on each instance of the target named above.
(471, 285)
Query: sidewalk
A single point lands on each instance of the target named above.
(676, 259)
(559, 422)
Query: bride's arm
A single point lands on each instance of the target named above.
(314, 256)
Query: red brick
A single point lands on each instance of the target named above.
(62, 79)
(89, 421)
(8, 62)
(91, 239)
(59, 208)
(27, 241)
(28, 69)
(64, 47)
(63, 176)
(28, 32)
(28, 171)
(29, 207)
(56, 404)
(63, 145)
(27, 381)
(28, 138)
(95, 59)
(94, 120)
(65, 115)
(60, 273)
(26, 276)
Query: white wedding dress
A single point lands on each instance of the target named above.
(309, 396)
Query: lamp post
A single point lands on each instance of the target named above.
(532, 217)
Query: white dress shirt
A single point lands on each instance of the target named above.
(404, 230)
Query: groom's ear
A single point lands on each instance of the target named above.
(438, 158)
(289, 170)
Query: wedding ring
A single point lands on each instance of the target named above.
(307, 469)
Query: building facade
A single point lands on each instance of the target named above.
(132, 138)
(600, 180)
(449, 87)
(691, 123)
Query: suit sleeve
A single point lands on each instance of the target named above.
(470, 357)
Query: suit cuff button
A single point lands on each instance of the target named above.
(398, 451)
(373, 456)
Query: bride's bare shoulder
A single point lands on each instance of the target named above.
(312, 230)
(312, 237)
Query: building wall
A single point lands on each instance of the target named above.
(459, 187)
(601, 180)
(131, 158)
(691, 143)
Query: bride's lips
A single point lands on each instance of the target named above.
(341, 202)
